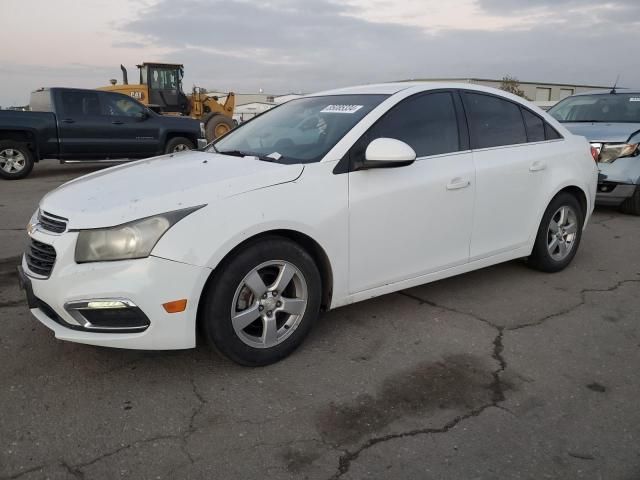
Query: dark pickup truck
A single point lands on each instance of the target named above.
(71, 124)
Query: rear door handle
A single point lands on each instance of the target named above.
(68, 120)
(458, 183)
(537, 166)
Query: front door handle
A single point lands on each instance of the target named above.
(537, 166)
(68, 120)
(117, 122)
(458, 183)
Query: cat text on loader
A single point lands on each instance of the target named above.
(160, 88)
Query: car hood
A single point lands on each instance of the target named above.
(161, 184)
(603, 132)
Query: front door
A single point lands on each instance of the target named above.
(410, 221)
(134, 131)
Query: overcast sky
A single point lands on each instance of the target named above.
(284, 46)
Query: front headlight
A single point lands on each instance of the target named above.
(130, 240)
(613, 151)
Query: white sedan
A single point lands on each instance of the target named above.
(321, 202)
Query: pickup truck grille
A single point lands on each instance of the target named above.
(40, 258)
(52, 223)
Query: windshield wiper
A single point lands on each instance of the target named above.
(241, 153)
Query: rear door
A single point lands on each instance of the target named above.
(512, 162)
(134, 130)
(84, 131)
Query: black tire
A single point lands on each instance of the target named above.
(632, 204)
(541, 258)
(16, 160)
(220, 123)
(178, 144)
(220, 294)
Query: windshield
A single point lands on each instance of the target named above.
(299, 131)
(613, 108)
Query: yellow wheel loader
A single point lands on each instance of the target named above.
(160, 88)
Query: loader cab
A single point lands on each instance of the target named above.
(164, 82)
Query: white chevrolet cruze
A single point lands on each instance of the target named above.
(324, 201)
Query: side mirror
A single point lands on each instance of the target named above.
(141, 116)
(387, 153)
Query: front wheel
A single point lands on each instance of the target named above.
(178, 144)
(16, 160)
(632, 204)
(263, 302)
(559, 234)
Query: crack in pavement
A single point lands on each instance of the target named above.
(583, 298)
(76, 470)
(345, 461)
(12, 303)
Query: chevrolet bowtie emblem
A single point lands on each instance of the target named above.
(32, 227)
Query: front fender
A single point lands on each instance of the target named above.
(315, 205)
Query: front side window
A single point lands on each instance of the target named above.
(426, 122)
(610, 108)
(76, 103)
(121, 106)
(493, 122)
(299, 131)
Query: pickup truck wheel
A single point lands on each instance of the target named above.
(632, 204)
(16, 160)
(179, 144)
(218, 125)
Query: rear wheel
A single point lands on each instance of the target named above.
(263, 302)
(559, 234)
(632, 204)
(218, 125)
(16, 160)
(178, 144)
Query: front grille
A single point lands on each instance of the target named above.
(52, 223)
(40, 258)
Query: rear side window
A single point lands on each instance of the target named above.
(80, 104)
(426, 122)
(535, 126)
(493, 122)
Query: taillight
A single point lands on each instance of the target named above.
(595, 153)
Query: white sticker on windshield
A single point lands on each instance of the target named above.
(341, 108)
(634, 99)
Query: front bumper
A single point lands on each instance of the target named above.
(617, 180)
(143, 284)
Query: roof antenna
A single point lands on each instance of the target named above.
(613, 90)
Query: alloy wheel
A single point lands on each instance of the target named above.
(181, 147)
(269, 304)
(562, 232)
(12, 161)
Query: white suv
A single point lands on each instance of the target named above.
(323, 201)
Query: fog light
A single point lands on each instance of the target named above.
(106, 304)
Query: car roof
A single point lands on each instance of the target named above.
(619, 91)
(395, 87)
